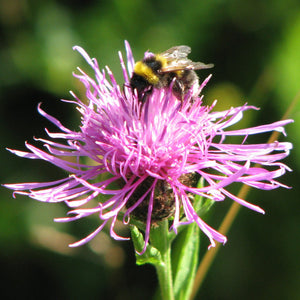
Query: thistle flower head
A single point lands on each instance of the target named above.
(145, 159)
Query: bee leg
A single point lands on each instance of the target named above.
(143, 96)
(178, 91)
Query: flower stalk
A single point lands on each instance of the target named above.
(160, 240)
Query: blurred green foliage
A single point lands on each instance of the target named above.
(255, 46)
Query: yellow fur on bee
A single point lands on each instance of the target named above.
(143, 70)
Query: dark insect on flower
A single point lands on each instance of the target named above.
(162, 70)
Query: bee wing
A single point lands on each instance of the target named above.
(177, 52)
(185, 64)
(199, 65)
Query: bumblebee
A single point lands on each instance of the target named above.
(160, 70)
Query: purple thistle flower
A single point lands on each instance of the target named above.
(149, 153)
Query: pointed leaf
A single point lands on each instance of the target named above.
(186, 254)
(151, 255)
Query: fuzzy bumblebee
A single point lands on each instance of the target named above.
(162, 70)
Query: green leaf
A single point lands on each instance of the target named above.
(202, 205)
(151, 255)
(185, 255)
(185, 252)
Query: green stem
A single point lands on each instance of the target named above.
(161, 241)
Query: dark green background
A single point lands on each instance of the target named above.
(255, 46)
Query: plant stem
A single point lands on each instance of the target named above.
(160, 240)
